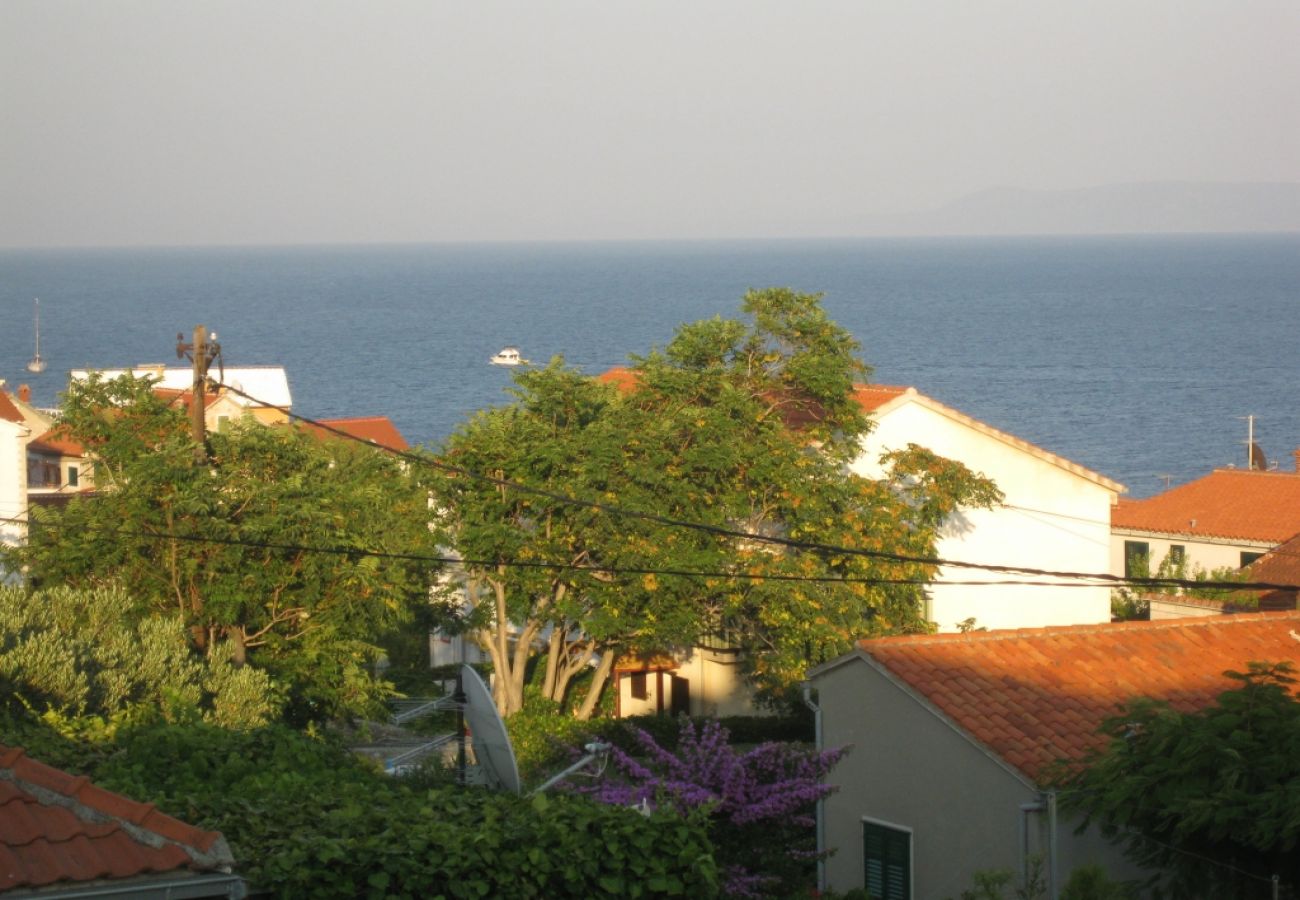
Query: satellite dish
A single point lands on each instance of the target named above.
(492, 750)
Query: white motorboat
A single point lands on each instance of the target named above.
(508, 356)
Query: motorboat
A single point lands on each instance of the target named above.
(508, 356)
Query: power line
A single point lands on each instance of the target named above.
(1103, 578)
(635, 570)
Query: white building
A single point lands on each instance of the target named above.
(268, 384)
(14, 435)
(1055, 516)
(1226, 519)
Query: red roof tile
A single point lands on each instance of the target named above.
(375, 429)
(1228, 503)
(57, 827)
(57, 440)
(1052, 687)
(8, 411)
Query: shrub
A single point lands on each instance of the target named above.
(306, 819)
(755, 801)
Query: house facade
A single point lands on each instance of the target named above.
(14, 435)
(269, 384)
(1055, 515)
(1226, 519)
(955, 737)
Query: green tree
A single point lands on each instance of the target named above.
(68, 654)
(1207, 798)
(739, 425)
(215, 544)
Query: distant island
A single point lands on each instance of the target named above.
(1143, 208)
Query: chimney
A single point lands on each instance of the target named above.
(25, 395)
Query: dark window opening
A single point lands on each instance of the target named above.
(887, 855)
(639, 691)
(1177, 554)
(1247, 558)
(73, 476)
(1137, 559)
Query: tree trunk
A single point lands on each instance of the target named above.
(597, 684)
(239, 653)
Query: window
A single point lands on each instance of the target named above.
(222, 422)
(887, 858)
(1177, 554)
(73, 476)
(639, 691)
(1137, 559)
(1247, 557)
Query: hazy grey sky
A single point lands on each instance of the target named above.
(302, 121)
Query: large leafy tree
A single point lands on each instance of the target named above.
(1208, 799)
(739, 425)
(231, 545)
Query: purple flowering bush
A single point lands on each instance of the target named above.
(760, 804)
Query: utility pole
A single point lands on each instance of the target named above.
(202, 351)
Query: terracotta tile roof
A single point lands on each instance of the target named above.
(1281, 565)
(873, 396)
(8, 411)
(1227, 503)
(378, 430)
(621, 377)
(185, 397)
(57, 440)
(1035, 696)
(56, 827)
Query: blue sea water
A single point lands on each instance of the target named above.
(1137, 357)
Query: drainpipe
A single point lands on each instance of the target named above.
(1053, 882)
(1047, 804)
(821, 812)
(1026, 810)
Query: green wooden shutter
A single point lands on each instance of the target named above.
(888, 859)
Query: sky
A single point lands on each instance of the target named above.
(309, 121)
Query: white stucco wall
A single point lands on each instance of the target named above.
(1207, 553)
(1052, 518)
(13, 482)
(716, 684)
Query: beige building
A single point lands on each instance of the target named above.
(954, 737)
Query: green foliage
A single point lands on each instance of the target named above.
(87, 655)
(214, 543)
(741, 425)
(992, 884)
(306, 820)
(1208, 798)
(1129, 603)
(1092, 883)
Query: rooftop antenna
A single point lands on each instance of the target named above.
(37, 365)
(1166, 478)
(1255, 459)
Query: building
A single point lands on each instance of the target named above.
(268, 384)
(15, 432)
(954, 737)
(1226, 519)
(61, 836)
(1055, 516)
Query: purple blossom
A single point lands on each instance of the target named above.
(747, 795)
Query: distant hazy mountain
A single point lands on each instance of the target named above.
(1164, 207)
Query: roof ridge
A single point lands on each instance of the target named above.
(92, 804)
(1007, 634)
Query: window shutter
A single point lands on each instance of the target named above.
(888, 859)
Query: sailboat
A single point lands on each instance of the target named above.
(37, 364)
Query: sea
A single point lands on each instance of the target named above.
(1149, 359)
